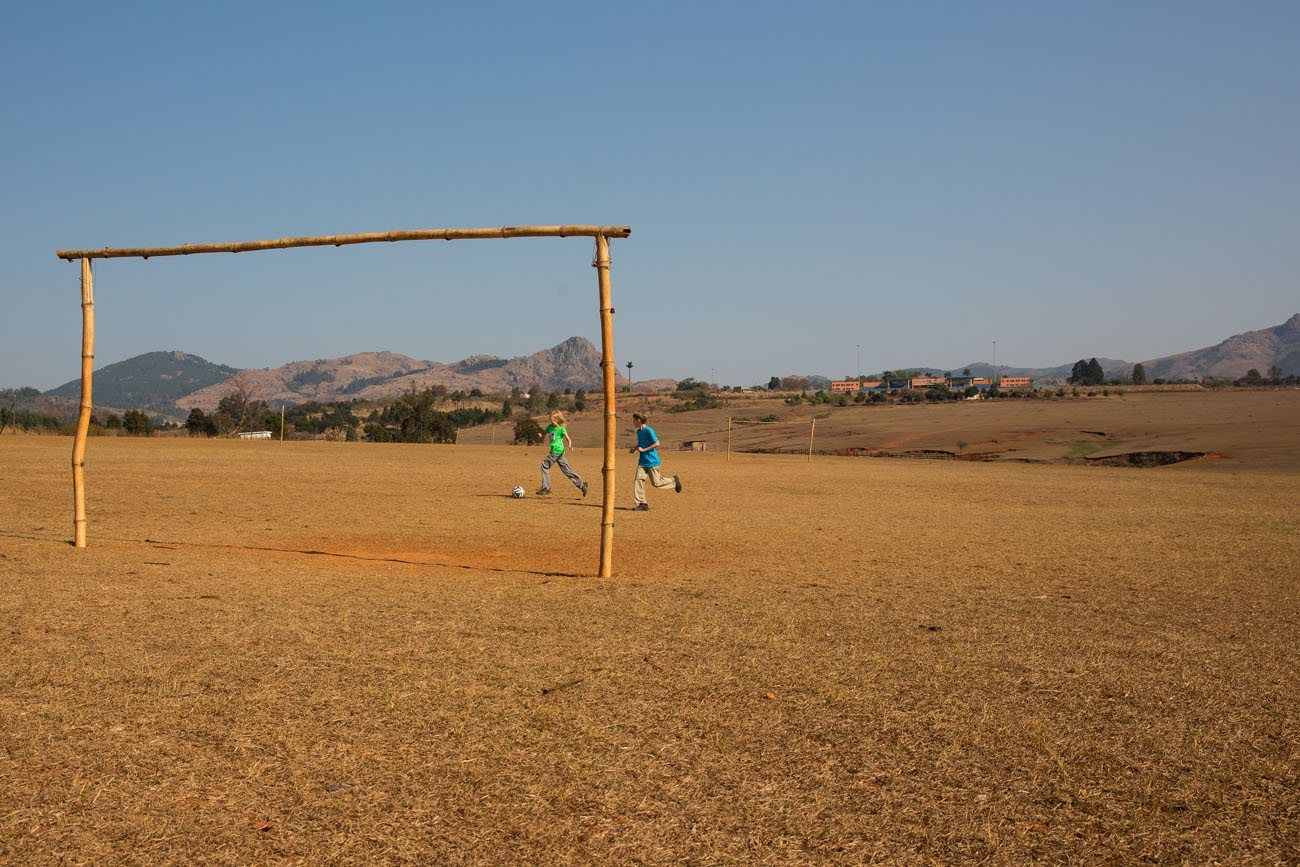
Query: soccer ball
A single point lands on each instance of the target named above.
(518, 492)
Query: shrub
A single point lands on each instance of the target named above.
(701, 400)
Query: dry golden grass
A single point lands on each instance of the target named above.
(1250, 428)
(369, 654)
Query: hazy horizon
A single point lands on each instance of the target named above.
(1069, 181)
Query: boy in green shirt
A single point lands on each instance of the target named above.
(556, 437)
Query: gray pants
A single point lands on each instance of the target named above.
(564, 468)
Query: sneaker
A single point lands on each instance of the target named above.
(642, 507)
(678, 486)
(584, 489)
(542, 492)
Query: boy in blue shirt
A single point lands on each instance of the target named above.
(648, 463)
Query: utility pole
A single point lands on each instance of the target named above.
(859, 361)
(996, 378)
(629, 376)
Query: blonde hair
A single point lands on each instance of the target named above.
(557, 417)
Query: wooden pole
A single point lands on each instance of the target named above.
(281, 424)
(607, 374)
(812, 430)
(728, 437)
(83, 416)
(365, 238)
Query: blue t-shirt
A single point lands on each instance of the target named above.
(646, 436)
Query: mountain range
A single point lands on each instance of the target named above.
(172, 382)
(168, 381)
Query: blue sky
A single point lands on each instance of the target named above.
(1111, 179)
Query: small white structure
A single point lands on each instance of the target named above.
(255, 435)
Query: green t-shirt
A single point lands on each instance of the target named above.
(557, 434)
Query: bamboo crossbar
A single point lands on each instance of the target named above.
(340, 240)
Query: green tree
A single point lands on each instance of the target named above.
(552, 401)
(580, 399)
(113, 422)
(198, 423)
(507, 408)
(237, 411)
(774, 384)
(1078, 373)
(136, 423)
(1139, 374)
(527, 431)
(1096, 376)
(536, 399)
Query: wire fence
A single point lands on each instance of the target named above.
(743, 437)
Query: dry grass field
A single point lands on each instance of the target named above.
(353, 653)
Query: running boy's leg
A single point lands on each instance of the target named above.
(638, 487)
(659, 480)
(568, 472)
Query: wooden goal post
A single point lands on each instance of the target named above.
(601, 263)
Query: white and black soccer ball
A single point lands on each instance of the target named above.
(518, 492)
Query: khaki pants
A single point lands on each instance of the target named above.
(656, 478)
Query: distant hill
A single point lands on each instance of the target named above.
(1278, 346)
(575, 364)
(155, 380)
